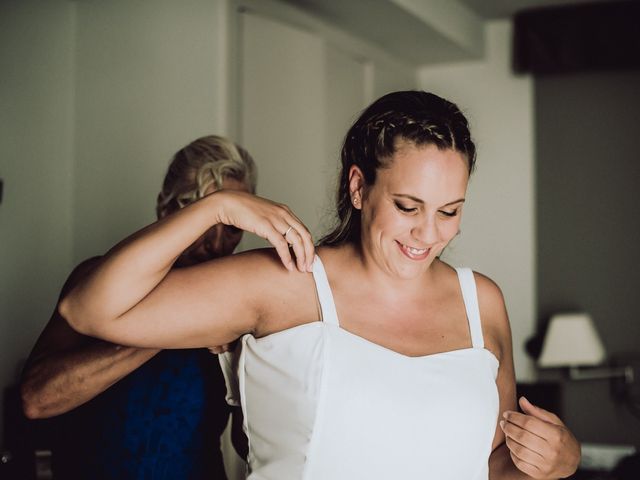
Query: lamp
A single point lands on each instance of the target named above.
(572, 341)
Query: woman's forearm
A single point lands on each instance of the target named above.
(134, 267)
(60, 381)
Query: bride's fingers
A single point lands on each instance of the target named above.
(307, 247)
(274, 222)
(306, 239)
(276, 238)
(297, 244)
(302, 242)
(219, 349)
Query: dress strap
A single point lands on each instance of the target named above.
(325, 297)
(470, 297)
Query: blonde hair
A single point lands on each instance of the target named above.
(204, 162)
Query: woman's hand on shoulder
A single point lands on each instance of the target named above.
(272, 221)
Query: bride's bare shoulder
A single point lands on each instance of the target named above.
(286, 298)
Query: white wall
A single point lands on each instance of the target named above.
(149, 77)
(36, 93)
(95, 97)
(498, 227)
(283, 112)
(302, 87)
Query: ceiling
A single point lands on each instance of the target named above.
(495, 9)
(421, 32)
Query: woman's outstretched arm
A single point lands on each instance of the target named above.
(66, 369)
(132, 297)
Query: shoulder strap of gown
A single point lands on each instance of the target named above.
(470, 297)
(325, 297)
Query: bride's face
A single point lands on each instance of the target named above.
(413, 209)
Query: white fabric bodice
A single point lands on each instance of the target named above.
(321, 403)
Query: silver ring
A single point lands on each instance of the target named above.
(288, 230)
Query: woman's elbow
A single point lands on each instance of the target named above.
(67, 311)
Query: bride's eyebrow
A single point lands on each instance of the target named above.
(409, 197)
(460, 200)
(418, 200)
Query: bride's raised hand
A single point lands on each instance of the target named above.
(272, 221)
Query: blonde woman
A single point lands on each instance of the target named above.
(137, 413)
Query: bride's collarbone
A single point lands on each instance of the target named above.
(409, 330)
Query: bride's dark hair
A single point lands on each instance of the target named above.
(417, 117)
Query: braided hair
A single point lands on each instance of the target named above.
(416, 117)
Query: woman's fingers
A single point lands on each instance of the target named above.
(275, 223)
(541, 433)
(294, 239)
(276, 238)
(306, 239)
(524, 437)
(310, 249)
(288, 230)
(527, 460)
(219, 349)
(302, 244)
(296, 235)
(538, 427)
(531, 409)
(525, 467)
(524, 451)
(227, 347)
(290, 236)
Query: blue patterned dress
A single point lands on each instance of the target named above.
(161, 422)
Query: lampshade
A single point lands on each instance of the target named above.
(571, 340)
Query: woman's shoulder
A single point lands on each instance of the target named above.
(263, 268)
(493, 313)
(263, 258)
(289, 297)
(489, 293)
